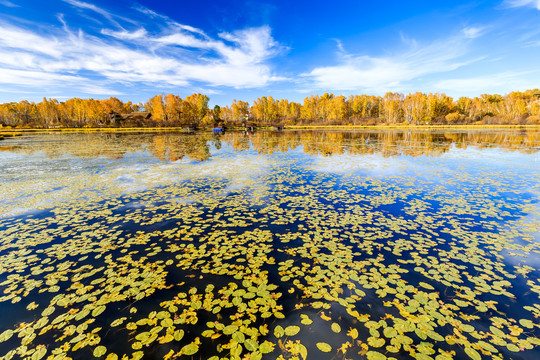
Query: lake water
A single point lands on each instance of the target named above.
(294, 245)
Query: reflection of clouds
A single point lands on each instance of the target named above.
(182, 200)
(455, 165)
(18, 211)
(500, 161)
(8, 155)
(531, 259)
(347, 163)
(528, 227)
(239, 170)
(241, 166)
(344, 163)
(125, 179)
(495, 156)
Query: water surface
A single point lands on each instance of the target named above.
(295, 244)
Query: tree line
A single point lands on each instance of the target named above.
(327, 109)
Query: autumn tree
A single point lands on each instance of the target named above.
(240, 110)
(217, 112)
(283, 109)
(226, 114)
(173, 107)
(196, 107)
(438, 106)
(391, 107)
(113, 104)
(515, 105)
(294, 111)
(492, 104)
(49, 111)
(8, 114)
(309, 108)
(156, 106)
(358, 105)
(463, 106)
(415, 108)
(265, 109)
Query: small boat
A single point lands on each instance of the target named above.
(217, 130)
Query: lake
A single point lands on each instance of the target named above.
(377, 244)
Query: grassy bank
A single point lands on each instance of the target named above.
(23, 130)
(9, 132)
(4, 135)
(415, 127)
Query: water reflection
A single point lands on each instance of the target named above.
(270, 248)
(173, 146)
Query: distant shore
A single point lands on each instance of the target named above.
(408, 126)
(10, 132)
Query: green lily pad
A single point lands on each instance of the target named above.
(473, 354)
(292, 330)
(336, 328)
(190, 349)
(375, 355)
(6, 335)
(426, 285)
(100, 351)
(526, 323)
(278, 331)
(266, 347)
(324, 347)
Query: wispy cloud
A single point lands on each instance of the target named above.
(152, 14)
(87, 6)
(126, 35)
(519, 3)
(149, 12)
(472, 32)
(499, 82)
(8, 3)
(176, 55)
(391, 72)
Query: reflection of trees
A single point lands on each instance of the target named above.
(174, 145)
(165, 146)
(386, 142)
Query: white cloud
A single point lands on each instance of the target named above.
(519, 3)
(178, 55)
(35, 78)
(17, 38)
(473, 32)
(500, 82)
(126, 35)
(380, 74)
(53, 81)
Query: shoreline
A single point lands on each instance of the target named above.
(7, 132)
(416, 127)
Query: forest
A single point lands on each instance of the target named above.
(517, 108)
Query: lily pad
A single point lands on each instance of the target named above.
(324, 347)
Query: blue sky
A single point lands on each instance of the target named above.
(232, 49)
